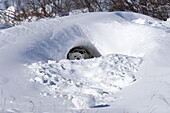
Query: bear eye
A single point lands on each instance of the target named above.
(74, 56)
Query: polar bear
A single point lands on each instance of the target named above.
(78, 53)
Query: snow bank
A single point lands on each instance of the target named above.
(87, 83)
(100, 77)
(109, 34)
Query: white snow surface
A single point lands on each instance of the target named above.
(98, 77)
(132, 75)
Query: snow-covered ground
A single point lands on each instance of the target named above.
(99, 77)
(131, 76)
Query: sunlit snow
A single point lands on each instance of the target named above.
(131, 76)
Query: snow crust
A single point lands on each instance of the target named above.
(98, 78)
(32, 57)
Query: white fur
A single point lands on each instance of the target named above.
(78, 54)
(75, 55)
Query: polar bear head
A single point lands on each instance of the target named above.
(78, 53)
(75, 56)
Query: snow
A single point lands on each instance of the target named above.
(83, 101)
(10, 11)
(132, 75)
(98, 77)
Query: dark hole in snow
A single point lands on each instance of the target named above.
(83, 52)
(52, 83)
(100, 106)
(45, 81)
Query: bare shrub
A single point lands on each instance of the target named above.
(26, 10)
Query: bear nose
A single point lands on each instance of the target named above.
(78, 58)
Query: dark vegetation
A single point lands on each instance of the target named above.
(27, 10)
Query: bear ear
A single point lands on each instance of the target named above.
(69, 54)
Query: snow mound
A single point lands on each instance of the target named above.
(85, 82)
(92, 83)
(83, 101)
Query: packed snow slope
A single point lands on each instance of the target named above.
(131, 76)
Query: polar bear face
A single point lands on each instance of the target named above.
(75, 56)
(78, 53)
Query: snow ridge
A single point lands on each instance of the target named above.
(86, 83)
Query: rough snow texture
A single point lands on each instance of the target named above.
(99, 77)
(125, 33)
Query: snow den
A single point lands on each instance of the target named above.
(83, 52)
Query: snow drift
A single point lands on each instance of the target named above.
(43, 47)
(100, 77)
